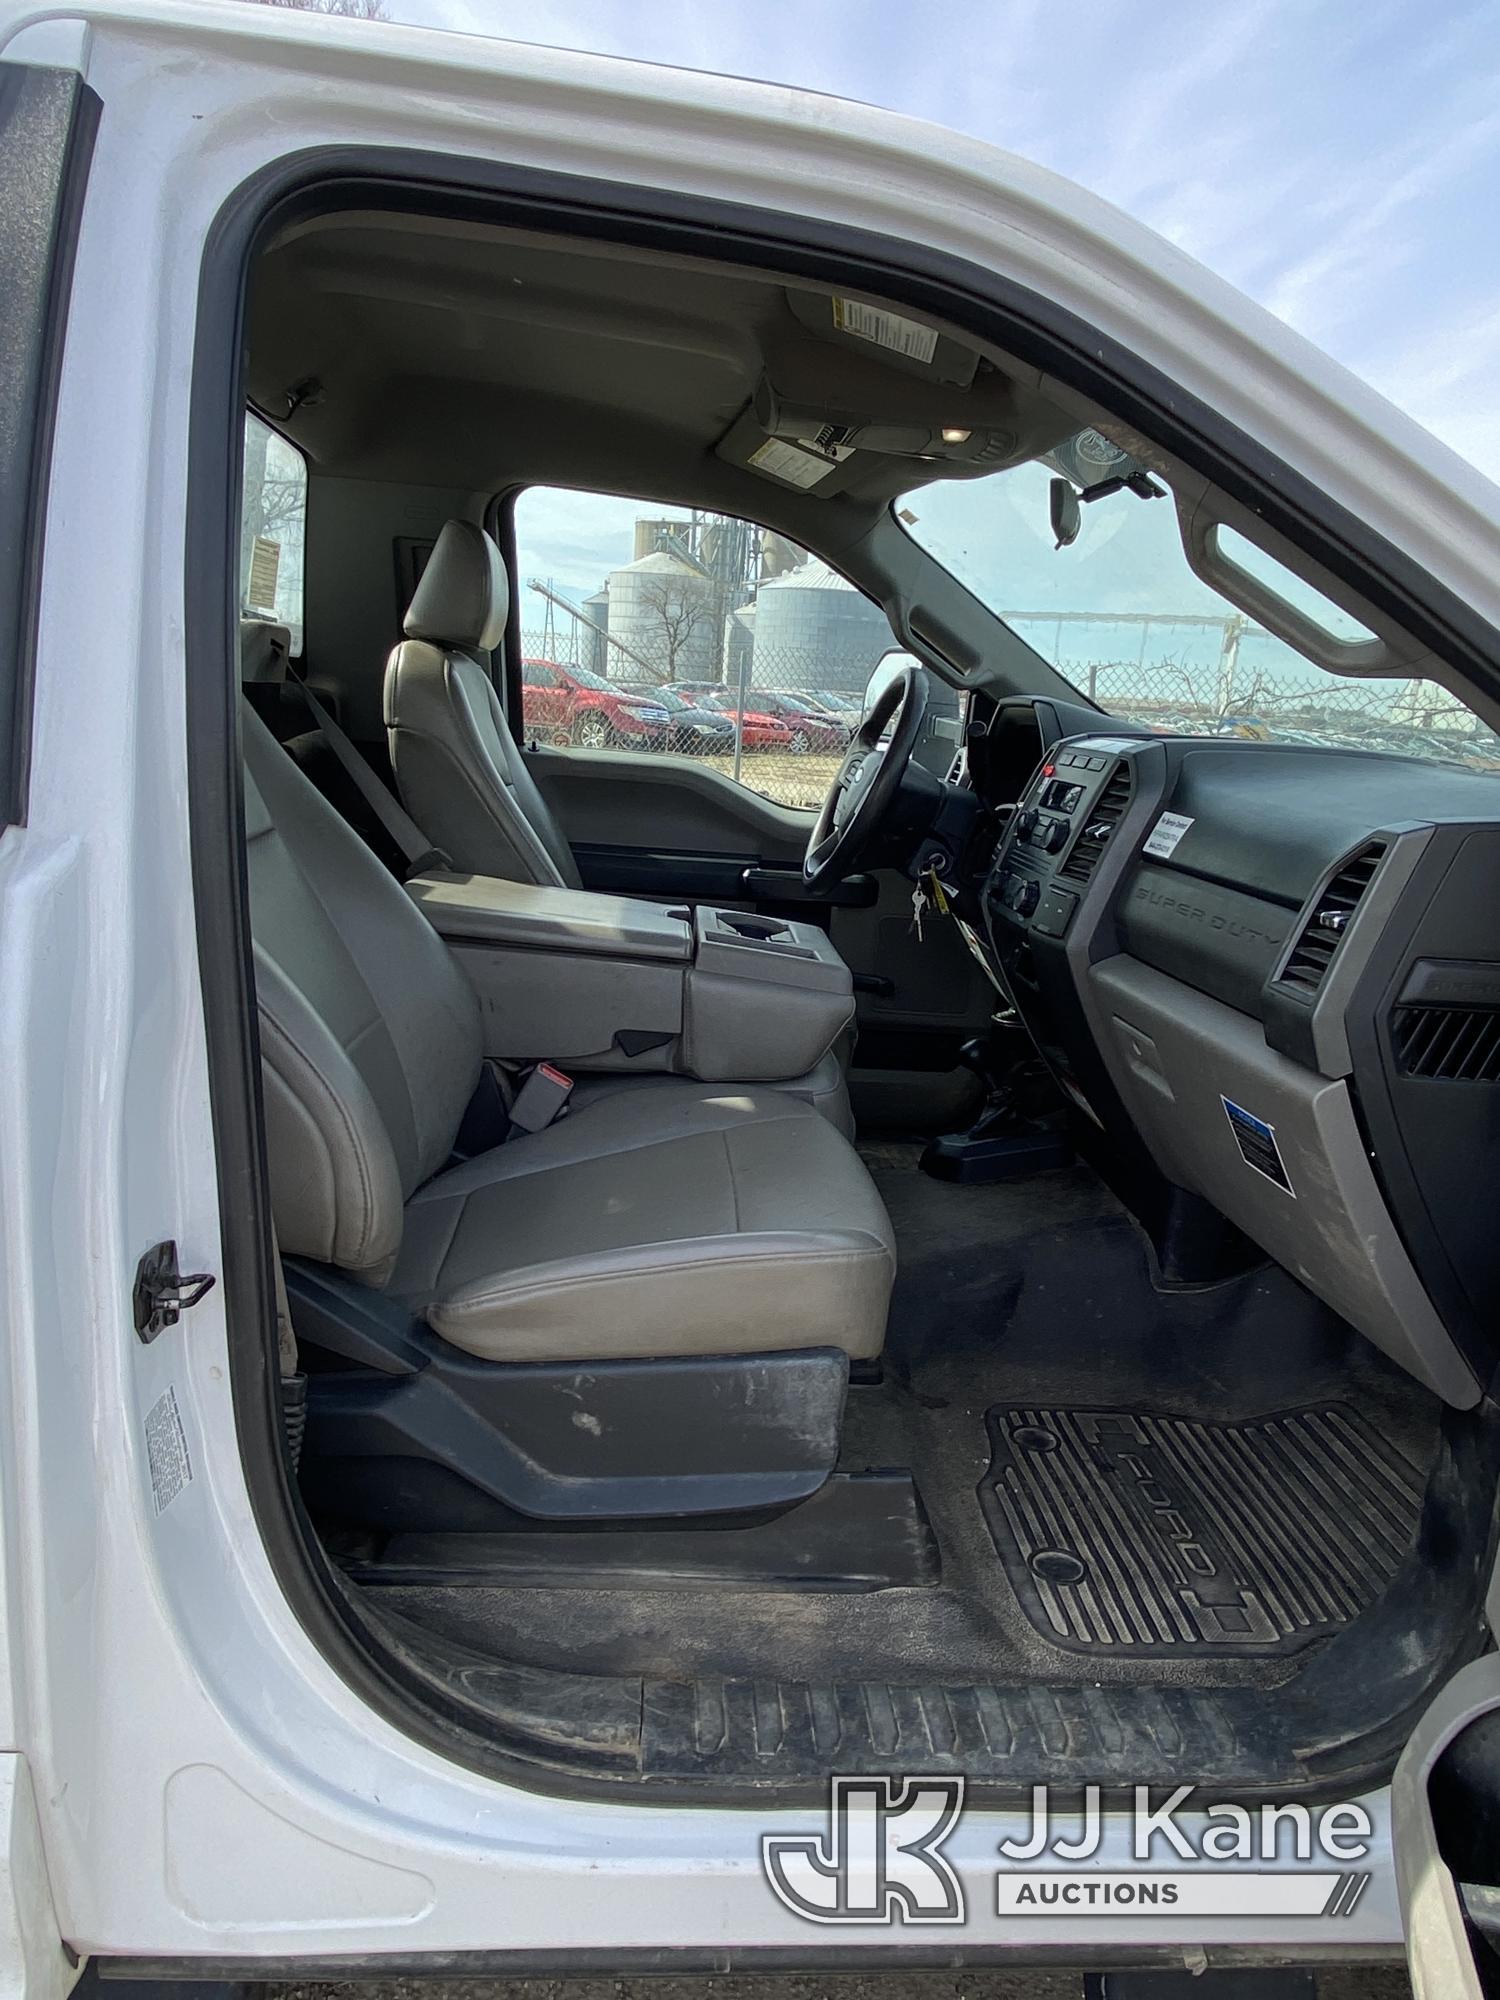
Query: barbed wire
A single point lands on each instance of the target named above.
(784, 735)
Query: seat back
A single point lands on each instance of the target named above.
(461, 776)
(370, 1036)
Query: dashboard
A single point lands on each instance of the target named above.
(1267, 977)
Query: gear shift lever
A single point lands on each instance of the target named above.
(1002, 1143)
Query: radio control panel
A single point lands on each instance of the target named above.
(1035, 882)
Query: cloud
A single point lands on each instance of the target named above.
(1341, 166)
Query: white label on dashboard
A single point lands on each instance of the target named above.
(1164, 836)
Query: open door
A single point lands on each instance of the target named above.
(1445, 1829)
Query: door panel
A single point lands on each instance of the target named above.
(620, 798)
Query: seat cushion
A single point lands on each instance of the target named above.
(825, 1087)
(666, 1219)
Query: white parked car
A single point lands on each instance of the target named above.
(528, 1445)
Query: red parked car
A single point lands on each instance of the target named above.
(571, 705)
(812, 727)
(760, 729)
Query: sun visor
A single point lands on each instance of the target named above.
(803, 464)
(865, 325)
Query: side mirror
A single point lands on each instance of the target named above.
(1067, 515)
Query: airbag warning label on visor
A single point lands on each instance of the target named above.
(791, 463)
(1257, 1143)
(887, 329)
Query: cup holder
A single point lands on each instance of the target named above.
(760, 930)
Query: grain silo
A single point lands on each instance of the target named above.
(813, 629)
(663, 610)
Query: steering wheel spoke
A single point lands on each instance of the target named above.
(867, 781)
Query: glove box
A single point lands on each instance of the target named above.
(608, 983)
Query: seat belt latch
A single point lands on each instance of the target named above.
(542, 1098)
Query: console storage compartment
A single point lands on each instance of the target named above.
(611, 983)
(765, 997)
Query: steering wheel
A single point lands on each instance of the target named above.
(867, 781)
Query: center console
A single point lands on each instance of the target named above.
(1057, 835)
(608, 983)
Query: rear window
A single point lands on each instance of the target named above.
(273, 529)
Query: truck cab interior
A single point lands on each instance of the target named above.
(989, 1270)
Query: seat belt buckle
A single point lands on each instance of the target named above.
(541, 1100)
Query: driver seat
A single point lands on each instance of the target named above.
(458, 768)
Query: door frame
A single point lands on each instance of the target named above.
(995, 308)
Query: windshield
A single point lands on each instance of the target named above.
(585, 679)
(1121, 615)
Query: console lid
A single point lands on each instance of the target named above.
(482, 909)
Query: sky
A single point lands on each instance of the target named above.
(1338, 160)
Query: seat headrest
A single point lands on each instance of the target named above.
(265, 649)
(463, 598)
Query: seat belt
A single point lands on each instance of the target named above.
(418, 850)
(293, 1377)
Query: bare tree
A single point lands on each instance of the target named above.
(356, 10)
(1261, 693)
(678, 607)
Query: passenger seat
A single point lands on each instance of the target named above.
(664, 1218)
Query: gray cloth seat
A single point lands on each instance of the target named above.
(459, 771)
(658, 1218)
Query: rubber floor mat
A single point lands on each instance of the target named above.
(1161, 1535)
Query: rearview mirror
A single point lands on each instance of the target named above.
(1067, 515)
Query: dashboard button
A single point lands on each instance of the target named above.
(1026, 896)
(1055, 912)
(1052, 834)
(1025, 822)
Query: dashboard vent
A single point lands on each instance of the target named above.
(1312, 954)
(1099, 823)
(1458, 1044)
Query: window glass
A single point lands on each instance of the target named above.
(273, 529)
(1119, 612)
(1289, 587)
(653, 628)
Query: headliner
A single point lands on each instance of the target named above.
(457, 354)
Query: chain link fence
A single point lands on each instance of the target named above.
(1200, 676)
(778, 732)
(782, 733)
